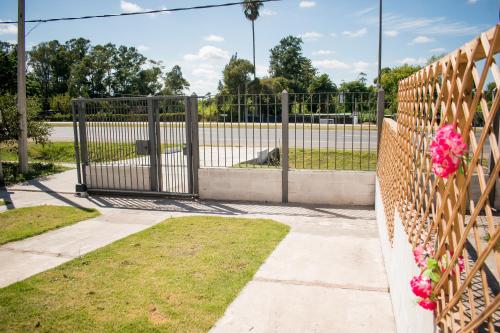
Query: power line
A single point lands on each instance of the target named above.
(229, 4)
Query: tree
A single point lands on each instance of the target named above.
(288, 62)
(251, 10)
(275, 85)
(322, 83)
(8, 68)
(127, 64)
(237, 75)
(390, 80)
(435, 58)
(175, 83)
(9, 129)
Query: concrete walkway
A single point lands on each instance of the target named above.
(327, 275)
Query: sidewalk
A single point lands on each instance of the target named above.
(327, 275)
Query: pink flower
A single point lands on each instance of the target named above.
(421, 286)
(447, 149)
(428, 304)
(461, 264)
(421, 254)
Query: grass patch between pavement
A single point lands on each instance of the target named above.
(12, 175)
(178, 276)
(321, 159)
(26, 222)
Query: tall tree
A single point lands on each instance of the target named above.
(287, 61)
(237, 75)
(8, 68)
(251, 10)
(390, 80)
(175, 83)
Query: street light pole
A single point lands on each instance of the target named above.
(379, 46)
(21, 89)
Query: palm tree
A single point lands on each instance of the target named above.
(251, 10)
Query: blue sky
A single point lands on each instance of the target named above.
(339, 36)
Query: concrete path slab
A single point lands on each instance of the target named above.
(280, 307)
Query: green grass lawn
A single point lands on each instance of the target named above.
(12, 175)
(65, 152)
(22, 223)
(326, 160)
(178, 276)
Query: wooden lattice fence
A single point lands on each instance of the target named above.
(458, 221)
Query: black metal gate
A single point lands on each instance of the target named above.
(137, 145)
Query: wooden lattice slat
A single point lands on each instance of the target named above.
(444, 212)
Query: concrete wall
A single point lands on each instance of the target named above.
(304, 186)
(118, 177)
(262, 185)
(331, 187)
(400, 267)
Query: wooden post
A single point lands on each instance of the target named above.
(21, 90)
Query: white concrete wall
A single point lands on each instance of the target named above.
(331, 187)
(263, 185)
(304, 186)
(118, 177)
(400, 267)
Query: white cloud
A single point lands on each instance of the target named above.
(8, 29)
(267, 12)
(307, 4)
(365, 11)
(311, 36)
(354, 34)
(412, 61)
(208, 52)
(438, 50)
(333, 34)
(426, 25)
(130, 7)
(214, 38)
(323, 52)
(330, 64)
(205, 73)
(472, 2)
(361, 66)
(421, 40)
(143, 48)
(391, 33)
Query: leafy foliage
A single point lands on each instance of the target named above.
(9, 128)
(237, 75)
(389, 81)
(175, 83)
(287, 61)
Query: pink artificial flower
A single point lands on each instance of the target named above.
(428, 304)
(421, 286)
(421, 254)
(447, 149)
(461, 264)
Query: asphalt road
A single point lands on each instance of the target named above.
(339, 136)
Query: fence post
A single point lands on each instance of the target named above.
(76, 146)
(153, 158)
(195, 144)
(284, 140)
(84, 156)
(380, 115)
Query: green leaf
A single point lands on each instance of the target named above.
(432, 263)
(428, 273)
(434, 277)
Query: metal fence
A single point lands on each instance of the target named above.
(326, 131)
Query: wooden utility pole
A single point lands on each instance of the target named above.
(21, 89)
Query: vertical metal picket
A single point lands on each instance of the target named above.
(153, 157)
(284, 138)
(84, 156)
(195, 144)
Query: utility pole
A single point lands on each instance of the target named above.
(379, 84)
(21, 89)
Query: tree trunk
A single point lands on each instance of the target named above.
(253, 37)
